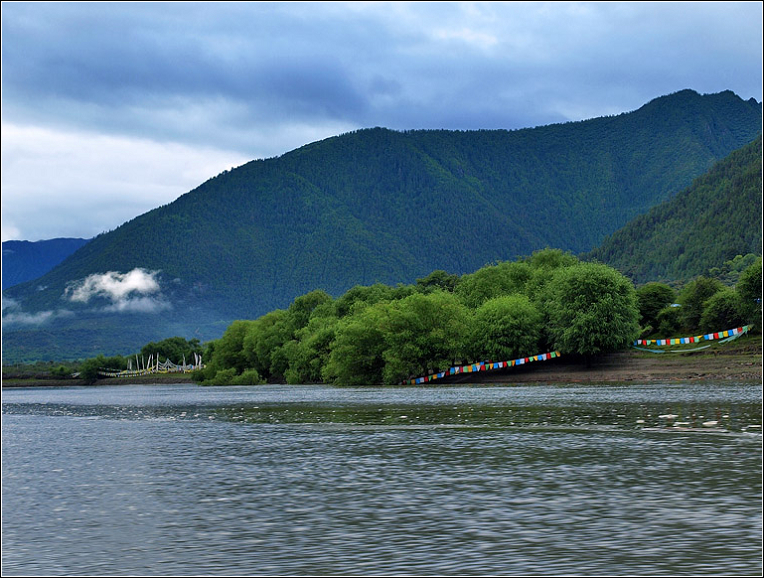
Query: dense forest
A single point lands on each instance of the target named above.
(548, 301)
(710, 222)
(378, 206)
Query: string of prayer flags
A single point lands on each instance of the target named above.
(484, 366)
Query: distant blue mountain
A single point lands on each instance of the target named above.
(27, 260)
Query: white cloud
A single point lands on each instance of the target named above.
(137, 291)
(112, 285)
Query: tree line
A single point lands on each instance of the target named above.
(381, 334)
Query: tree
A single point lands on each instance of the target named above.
(362, 295)
(226, 354)
(505, 328)
(593, 309)
(303, 307)
(749, 289)
(176, 349)
(693, 298)
(492, 281)
(652, 299)
(356, 356)
(308, 354)
(669, 322)
(723, 310)
(264, 338)
(438, 280)
(423, 332)
(543, 265)
(89, 368)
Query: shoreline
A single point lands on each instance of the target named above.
(740, 362)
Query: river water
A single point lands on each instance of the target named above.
(441, 481)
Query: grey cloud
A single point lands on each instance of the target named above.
(258, 79)
(399, 65)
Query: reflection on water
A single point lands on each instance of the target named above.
(281, 480)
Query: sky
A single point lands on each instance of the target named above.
(112, 109)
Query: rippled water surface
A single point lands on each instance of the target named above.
(307, 480)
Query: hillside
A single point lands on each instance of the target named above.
(372, 206)
(27, 260)
(710, 222)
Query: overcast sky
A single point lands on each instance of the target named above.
(112, 109)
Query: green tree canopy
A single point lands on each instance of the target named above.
(309, 352)
(652, 299)
(493, 281)
(422, 332)
(505, 328)
(723, 310)
(176, 349)
(749, 288)
(693, 298)
(356, 356)
(438, 280)
(264, 339)
(593, 309)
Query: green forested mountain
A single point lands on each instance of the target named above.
(706, 224)
(376, 205)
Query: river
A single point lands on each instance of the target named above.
(441, 481)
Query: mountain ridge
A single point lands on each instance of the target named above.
(377, 205)
(27, 260)
(692, 233)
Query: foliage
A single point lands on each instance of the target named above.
(730, 271)
(383, 334)
(438, 280)
(723, 310)
(493, 281)
(423, 332)
(749, 288)
(669, 322)
(505, 328)
(176, 349)
(356, 355)
(652, 299)
(226, 357)
(592, 309)
(309, 352)
(89, 368)
(693, 300)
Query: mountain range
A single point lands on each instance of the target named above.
(374, 205)
(715, 219)
(27, 260)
